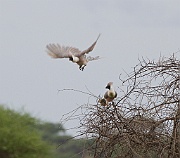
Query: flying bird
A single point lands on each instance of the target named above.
(74, 54)
(109, 95)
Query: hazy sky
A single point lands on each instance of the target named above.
(129, 29)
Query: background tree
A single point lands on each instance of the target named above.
(23, 136)
(19, 138)
(66, 146)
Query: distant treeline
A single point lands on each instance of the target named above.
(23, 136)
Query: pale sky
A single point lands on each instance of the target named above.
(129, 29)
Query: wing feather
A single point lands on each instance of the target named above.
(91, 47)
(58, 51)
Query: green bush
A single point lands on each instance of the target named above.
(19, 138)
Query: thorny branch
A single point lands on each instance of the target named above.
(145, 120)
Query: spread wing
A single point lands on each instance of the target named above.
(57, 51)
(91, 47)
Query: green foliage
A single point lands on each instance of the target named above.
(50, 131)
(23, 136)
(68, 147)
(19, 138)
(75, 148)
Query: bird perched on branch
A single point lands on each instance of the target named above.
(109, 95)
(74, 54)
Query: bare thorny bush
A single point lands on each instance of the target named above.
(145, 119)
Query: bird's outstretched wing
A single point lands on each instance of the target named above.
(89, 58)
(91, 47)
(57, 51)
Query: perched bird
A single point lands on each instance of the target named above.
(103, 101)
(74, 54)
(108, 96)
(111, 93)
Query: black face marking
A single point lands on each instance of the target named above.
(108, 87)
(71, 58)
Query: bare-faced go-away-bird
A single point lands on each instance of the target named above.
(109, 95)
(74, 54)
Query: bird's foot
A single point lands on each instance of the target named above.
(81, 67)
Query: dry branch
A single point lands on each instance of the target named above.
(145, 120)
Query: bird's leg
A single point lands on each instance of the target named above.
(82, 67)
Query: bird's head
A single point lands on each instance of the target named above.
(109, 85)
(70, 58)
(74, 59)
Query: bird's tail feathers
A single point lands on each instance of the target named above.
(89, 58)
